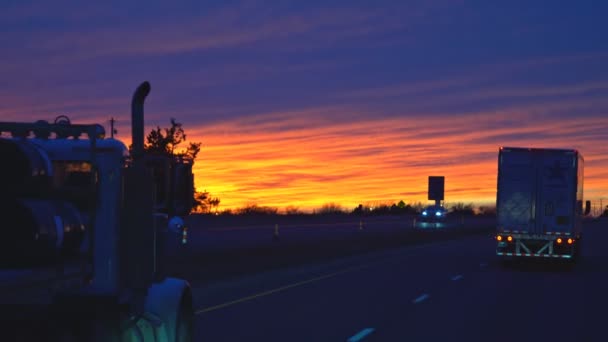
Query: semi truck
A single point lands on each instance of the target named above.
(539, 203)
(87, 226)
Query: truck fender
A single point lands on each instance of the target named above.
(167, 300)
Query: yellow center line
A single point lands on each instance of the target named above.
(283, 288)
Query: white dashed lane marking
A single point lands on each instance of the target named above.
(421, 298)
(361, 335)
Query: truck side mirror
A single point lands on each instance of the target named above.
(587, 207)
(160, 167)
(182, 188)
(178, 227)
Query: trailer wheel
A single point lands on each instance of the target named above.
(506, 263)
(576, 257)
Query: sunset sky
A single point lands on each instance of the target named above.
(308, 102)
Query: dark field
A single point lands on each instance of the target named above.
(225, 247)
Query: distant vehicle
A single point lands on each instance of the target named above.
(539, 203)
(86, 231)
(433, 213)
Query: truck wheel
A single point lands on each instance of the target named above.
(183, 331)
(184, 326)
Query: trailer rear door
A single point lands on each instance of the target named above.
(516, 190)
(556, 191)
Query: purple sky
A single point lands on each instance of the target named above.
(310, 102)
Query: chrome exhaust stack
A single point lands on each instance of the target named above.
(137, 119)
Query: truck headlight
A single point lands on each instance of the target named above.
(40, 229)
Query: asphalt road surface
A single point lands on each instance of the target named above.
(445, 291)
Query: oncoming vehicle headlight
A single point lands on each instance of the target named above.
(438, 213)
(424, 213)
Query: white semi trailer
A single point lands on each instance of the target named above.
(85, 232)
(539, 203)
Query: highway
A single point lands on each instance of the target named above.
(235, 250)
(448, 290)
(238, 232)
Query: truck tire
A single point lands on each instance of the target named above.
(183, 331)
(184, 325)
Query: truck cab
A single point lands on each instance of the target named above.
(87, 233)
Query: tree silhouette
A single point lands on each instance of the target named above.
(387, 208)
(330, 208)
(487, 210)
(254, 209)
(166, 141)
(359, 209)
(214, 203)
(201, 204)
(292, 210)
(462, 209)
(204, 203)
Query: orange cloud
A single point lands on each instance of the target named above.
(307, 160)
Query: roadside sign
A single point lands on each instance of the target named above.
(436, 187)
